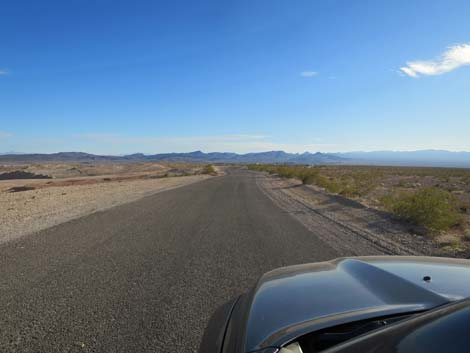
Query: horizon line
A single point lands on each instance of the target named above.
(201, 151)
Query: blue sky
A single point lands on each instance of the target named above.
(121, 77)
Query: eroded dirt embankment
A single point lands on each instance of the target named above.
(348, 226)
(41, 205)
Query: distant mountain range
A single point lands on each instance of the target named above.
(197, 156)
(435, 158)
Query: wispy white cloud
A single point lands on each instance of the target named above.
(4, 72)
(308, 73)
(5, 134)
(453, 58)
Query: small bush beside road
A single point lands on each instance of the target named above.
(435, 209)
(466, 235)
(208, 169)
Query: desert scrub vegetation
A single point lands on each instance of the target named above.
(353, 182)
(208, 169)
(436, 198)
(466, 235)
(436, 209)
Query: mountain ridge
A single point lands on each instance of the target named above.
(430, 158)
(195, 156)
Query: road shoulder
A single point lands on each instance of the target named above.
(349, 227)
(27, 212)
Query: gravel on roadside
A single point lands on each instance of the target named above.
(348, 226)
(26, 212)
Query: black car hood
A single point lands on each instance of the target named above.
(292, 301)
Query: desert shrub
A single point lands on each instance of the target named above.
(466, 234)
(402, 183)
(315, 178)
(285, 171)
(208, 169)
(329, 184)
(350, 190)
(309, 177)
(464, 207)
(433, 208)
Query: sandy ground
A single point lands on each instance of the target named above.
(73, 170)
(346, 224)
(25, 212)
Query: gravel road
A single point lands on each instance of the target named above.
(145, 276)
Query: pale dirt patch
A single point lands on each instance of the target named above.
(26, 212)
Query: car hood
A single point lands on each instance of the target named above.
(291, 301)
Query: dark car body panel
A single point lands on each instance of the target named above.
(292, 301)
